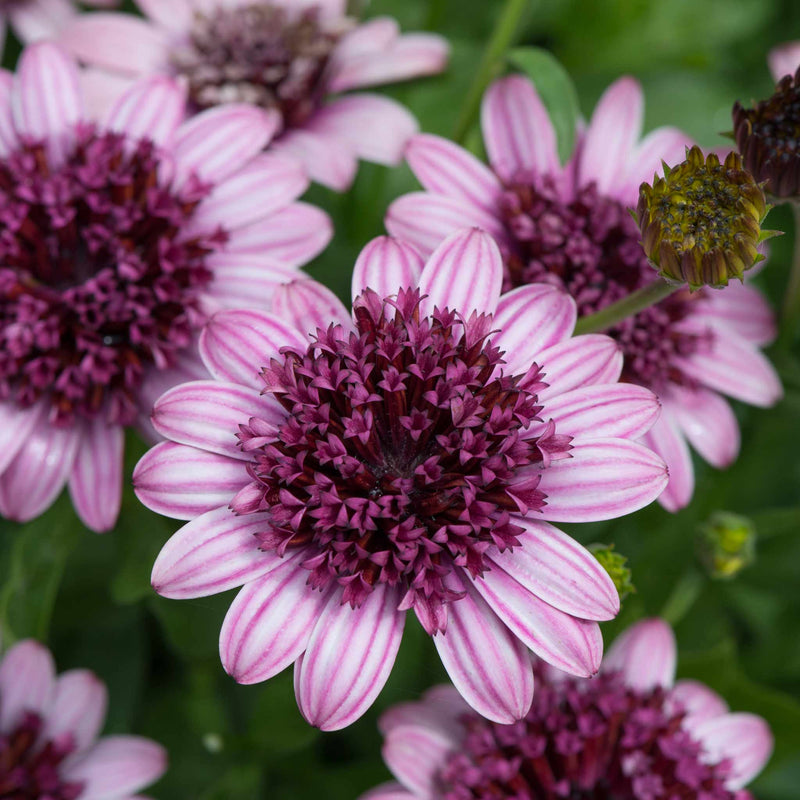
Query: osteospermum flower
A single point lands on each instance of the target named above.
(32, 20)
(346, 469)
(294, 56)
(116, 242)
(49, 725)
(631, 733)
(569, 226)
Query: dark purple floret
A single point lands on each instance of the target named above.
(589, 246)
(29, 767)
(260, 54)
(584, 740)
(99, 279)
(403, 453)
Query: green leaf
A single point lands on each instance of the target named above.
(557, 91)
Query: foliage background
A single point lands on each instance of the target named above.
(89, 597)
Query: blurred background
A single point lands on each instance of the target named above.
(89, 596)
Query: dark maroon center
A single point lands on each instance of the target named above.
(589, 246)
(99, 279)
(29, 767)
(403, 453)
(583, 740)
(261, 54)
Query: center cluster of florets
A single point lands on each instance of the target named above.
(405, 452)
(584, 740)
(589, 246)
(98, 277)
(260, 54)
(29, 767)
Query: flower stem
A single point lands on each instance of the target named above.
(791, 302)
(632, 304)
(504, 33)
(683, 597)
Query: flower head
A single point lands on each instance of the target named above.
(48, 735)
(290, 56)
(569, 226)
(767, 137)
(701, 222)
(117, 240)
(347, 468)
(630, 733)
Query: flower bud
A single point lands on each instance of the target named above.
(701, 222)
(768, 137)
(727, 544)
(615, 565)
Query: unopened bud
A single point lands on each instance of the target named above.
(727, 544)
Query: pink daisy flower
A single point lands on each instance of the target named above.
(117, 241)
(569, 226)
(294, 56)
(631, 733)
(32, 20)
(346, 468)
(48, 735)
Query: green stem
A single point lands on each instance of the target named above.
(632, 304)
(683, 597)
(791, 301)
(504, 33)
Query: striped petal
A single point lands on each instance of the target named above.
(327, 159)
(666, 439)
(743, 309)
(603, 479)
(214, 552)
(580, 361)
(242, 280)
(309, 305)
(78, 708)
(183, 482)
(27, 682)
(697, 701)
(152, 108)
(349, 658)
(386, 265)
(488, 665)
(708, 422)
(646, 654)
(415, 754)
(464, 274)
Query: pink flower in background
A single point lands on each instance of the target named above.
(32, 20)
(631, 733)
(48, 735)
(290, 55)
(346, 468)
(116, 242)
(569, 226)
(784, 59)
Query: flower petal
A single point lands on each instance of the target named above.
(175, 15)
(603, 479)
(743, 309)
(708, 422)
(744, 739)
(15, 426)
(517, 129)
(443, 167)
(622, 410)
(349, 657)
(424, 219)
(309, 305)
(386, 265)
(95, 484)
(571, 644)
(697, 701)
(270, 622)
(327, 160)
(531, 319)
(667, 440)
(611, 137)
(293, 236)
(214, 552)
(8, 135)
(646, 655)
(78, 708)
(580, 361)
(558, 570)
(488, 665)
(219, 141)
(374, 127)
(464, 274)
(242, 280)
(666, 145)
(183, 482)
(236, 345)
(415, 754)
(207, 414)
(152, 108)
(27, 682)
(117, 766)
(784, 59)
(388, 791)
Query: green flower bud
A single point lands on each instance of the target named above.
(727, 544)
(615, 565)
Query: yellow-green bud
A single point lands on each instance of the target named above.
(701, 222)
(615, 565)
(727, 544)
